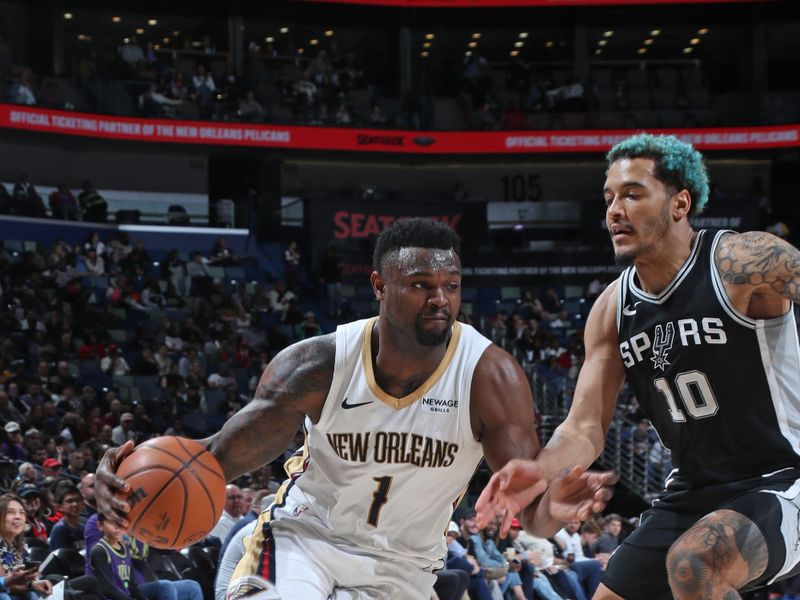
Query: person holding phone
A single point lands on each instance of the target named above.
(18, 576)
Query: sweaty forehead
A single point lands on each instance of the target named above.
(415, 260)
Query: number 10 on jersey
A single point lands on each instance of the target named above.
(695, 392)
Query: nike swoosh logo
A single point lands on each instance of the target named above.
(346, 405)
(628, 311)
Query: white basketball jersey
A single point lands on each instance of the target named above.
(379, 474)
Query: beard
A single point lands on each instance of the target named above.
(428, 337)
(625, 260)
(657, 228)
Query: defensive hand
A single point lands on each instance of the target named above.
(512, 489)
(575, 494)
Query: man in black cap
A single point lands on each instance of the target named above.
(36, 526)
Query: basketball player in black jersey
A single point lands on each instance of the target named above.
(702, 326)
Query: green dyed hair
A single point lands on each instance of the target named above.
(677, 164)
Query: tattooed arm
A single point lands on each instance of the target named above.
(294, 384)
(761, 272)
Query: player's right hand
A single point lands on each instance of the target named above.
(108, 485)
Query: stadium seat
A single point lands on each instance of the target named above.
(66, 562)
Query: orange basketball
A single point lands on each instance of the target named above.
(177, 491)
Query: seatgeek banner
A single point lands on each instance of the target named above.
(374, 140)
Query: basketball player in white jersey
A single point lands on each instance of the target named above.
(702, 326)
(398, 411)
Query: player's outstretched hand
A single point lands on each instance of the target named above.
(577, 493)
(511, 490)
(108, 484)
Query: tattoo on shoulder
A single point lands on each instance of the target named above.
(757, 258)
(302, 369)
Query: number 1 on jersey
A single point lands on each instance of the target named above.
(379, 498)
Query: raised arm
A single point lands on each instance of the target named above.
(577, 442)
(294, 384)
(580, 439)
(760, 267)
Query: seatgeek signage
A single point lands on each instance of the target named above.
(374, 140)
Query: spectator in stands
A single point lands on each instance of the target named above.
(27, 473)
(95, 264)
(114, 363)
(279, 297)
(18, 582)
(111, 563)
(86, 488)
(377, 118)
(291, 260)
(93, 206)
(221, 379)
(231, 514)
(13, 447)
(588, 570)
(9, 412)
(309, 327)
(124, 431)
(27, 201)
(131, 53)
(76, 465)
(68, 531)
(458, 558)
(199, 275)
(233, 547)
(203, 85)
(63, 204)
(152, 297)
(250, 109)
(489, 558)
(221, 254)
(154, 104)
(22, 90)
(610, 539)
(36, 525)
(343, 115)
(141, 574)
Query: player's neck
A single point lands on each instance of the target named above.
(656, 269)
(401, 365)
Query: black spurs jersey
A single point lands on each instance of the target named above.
(721, 389)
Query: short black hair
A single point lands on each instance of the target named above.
(63, 489)
(417, 232)
(101, 518)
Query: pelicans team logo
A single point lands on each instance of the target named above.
(662, 345)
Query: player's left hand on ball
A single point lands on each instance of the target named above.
(576, 493)
(108, 485)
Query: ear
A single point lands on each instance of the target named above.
(682, 204)
(378, 284)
